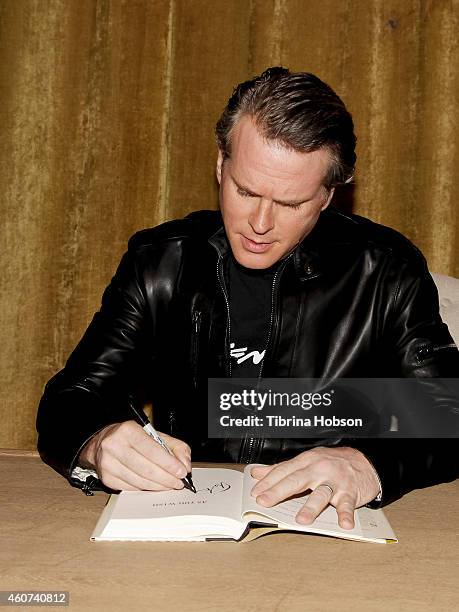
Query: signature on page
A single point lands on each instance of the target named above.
(219, 487)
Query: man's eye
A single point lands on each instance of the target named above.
(245, 194)
(287, 205)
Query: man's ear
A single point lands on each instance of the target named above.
(329, 198)
(218, 170)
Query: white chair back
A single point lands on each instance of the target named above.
(448, 291)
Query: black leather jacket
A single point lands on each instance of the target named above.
(355, 299)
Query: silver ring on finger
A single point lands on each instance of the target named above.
(330, 488)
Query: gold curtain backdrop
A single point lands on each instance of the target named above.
(107, 109)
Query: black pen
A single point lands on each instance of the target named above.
(151, 431)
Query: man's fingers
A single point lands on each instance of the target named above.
(112, 482)
(342, 477)
(145, 472)
(180, 449)
(276, 475)
(131, 483)
(316, 503)
(129, 455)
(290, 485)
(345, 509)
(131, 471)
(154, 452)
(260, 471)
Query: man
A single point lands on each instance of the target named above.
(306, 291)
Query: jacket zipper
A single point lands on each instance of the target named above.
(197, 317)
(271, 320)
(246, 456)
(228, 324)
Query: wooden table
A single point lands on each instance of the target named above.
(45, 526)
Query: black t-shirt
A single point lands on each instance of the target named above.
(250, 295)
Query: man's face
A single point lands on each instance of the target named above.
(270, 196)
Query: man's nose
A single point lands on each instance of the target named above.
(261, 219)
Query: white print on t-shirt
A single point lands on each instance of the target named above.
(239, 354)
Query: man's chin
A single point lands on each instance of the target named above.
(254, 261)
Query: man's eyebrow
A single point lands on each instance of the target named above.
(257, 195)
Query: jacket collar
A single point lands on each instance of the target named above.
(220, 242)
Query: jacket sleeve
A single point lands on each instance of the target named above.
(91, 391)
(421, 347)
(406, 464)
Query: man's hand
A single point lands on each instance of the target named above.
(125, 457)
(347, 471)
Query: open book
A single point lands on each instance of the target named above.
(222, 509)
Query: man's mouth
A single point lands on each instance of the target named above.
(254, 246)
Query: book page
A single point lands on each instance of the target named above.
(374, 524)
(285, 512)
(218, 493)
